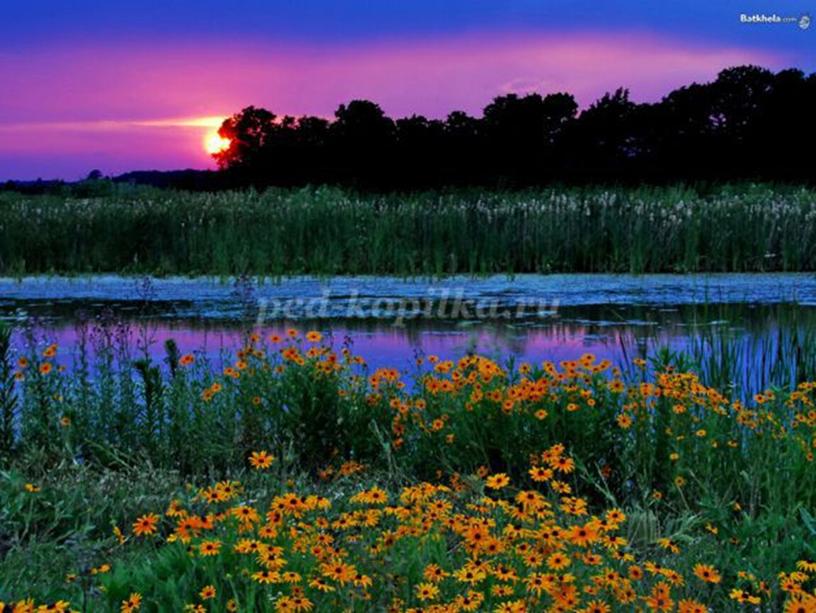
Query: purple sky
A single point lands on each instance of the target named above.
(138, 85)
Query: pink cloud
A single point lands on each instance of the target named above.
(133, 83)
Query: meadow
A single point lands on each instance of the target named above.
(326, 231)
(297, 479)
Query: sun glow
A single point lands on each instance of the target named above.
(215, 143)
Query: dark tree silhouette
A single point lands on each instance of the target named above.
(525, 131)
(419, 154)
(605, 136)
(250, 132)
(785, 133)
(363, 140)
(749, 123)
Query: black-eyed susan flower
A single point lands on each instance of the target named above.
(145, 525)
(261, 460)
(497, 481)
(707, 573)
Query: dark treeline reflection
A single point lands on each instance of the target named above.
(749, 123)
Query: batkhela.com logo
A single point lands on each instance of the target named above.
(803, 21)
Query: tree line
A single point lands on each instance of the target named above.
(749, 123)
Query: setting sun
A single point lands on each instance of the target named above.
(215, 143)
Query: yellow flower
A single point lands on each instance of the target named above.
(132, 603)
(267, 576)
(557, 561)
(540, 473)
(375, 495)
(261, 460)
(707, 573)
(624, 421)
(320, 584)
(497, 481)
(209, 548)
(427, 591)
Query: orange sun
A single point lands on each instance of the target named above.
(215, 143)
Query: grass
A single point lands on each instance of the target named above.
(741, 348)
(327, 231)
(297, 478)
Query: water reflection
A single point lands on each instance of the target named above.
(759, 344)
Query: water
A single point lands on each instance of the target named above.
(390, 321)
(220, 299)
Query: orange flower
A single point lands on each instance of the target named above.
(563, 464)
(145, 525)
(497, 481)
(133, 603)
(707, 573)
(261, 460)
(540, 473)
(209, 548)
(557, 561)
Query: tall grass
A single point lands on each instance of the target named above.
(8, 397)
(739, 348)
(313, 405)
(329, 231)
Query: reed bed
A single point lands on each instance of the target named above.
(329, 231)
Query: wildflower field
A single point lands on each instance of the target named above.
(298, 479)
(325, 231)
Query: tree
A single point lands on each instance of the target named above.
(363, 139)
(522, 132)
(249, 133)
(602, 140)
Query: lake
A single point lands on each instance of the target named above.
(756, 318)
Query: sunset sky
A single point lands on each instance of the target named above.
(122, 85)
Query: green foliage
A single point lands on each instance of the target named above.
(8, 398)
(59, 520)
(327, 231)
